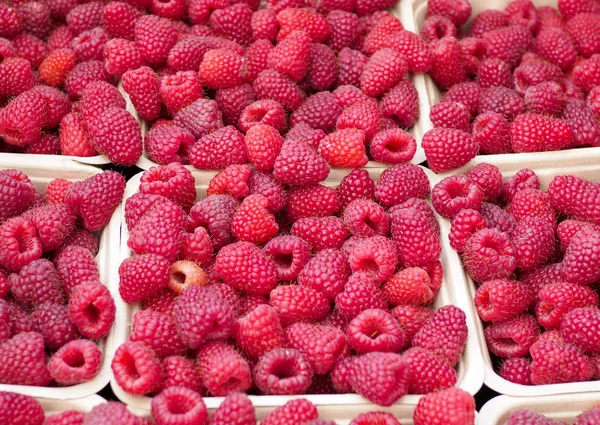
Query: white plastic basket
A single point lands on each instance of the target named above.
(453, 291)
(492, 378)
(560, 408)
(85, 404)
(41, 172)
(413, 14)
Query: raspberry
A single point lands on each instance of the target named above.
(263, 144)
(375, 256)
(344, 148)
(264, 25)
(48, 144)
(533, 240)
(570, 8)
(30, 48)
(292, 412)
(348, 95)
(231, 180)
(507, 43)
(291, 55)
(263, 112)
(111, 413)
(429, 373)
(494, 72)
(53, 223)
(351, 64)
(142, 85)
(411, 318)
(556, 46)
(488, 20)
(366, 218)
(489, 254)
(76, 266)
(501, 100)
(116, 133)
(590, 416)
(263, 321)
(184, 273)
(450, 115)
(215, 214)
(17, 193)
(457, 12)
(546, 98)
(181, 372)
(554, 362)
(533, 73)
(586, 131)
(447, 149)
(79, 238)
(569, 228)
(411, 286)
(256, 57)
(12, 22)
(23, 360)
(360, 293)
(21, 121)
(327, 272)
(219, 149)
(233, 101)
(311, 201)
(364, 115)
(374, 330)
(577, 328)
(298, 303)
(382, 418)
(383, 70)
(20, 409)
(85, 17)
(517, 370)
(447, 65)
(158, 332)
(455, 193)
(321, 232)
(392, 377)
(264, 184)
(356, 185)
(178, 405)
(585, 73)
(188, 53)
(154, 37)
(437, 27)
(221, 69)
(56, 189)
(233, 22)
(180, 90)
(376, 37)
(556, 300)
(168, 144)
(524, 179)
(92, 309)
(21, 244)
(53, 323)
(119, 19)
(583, 29)
(321, 345)
(172, 9)
(473, 53)
(549, 17)
(512, 338)
(320, 111)
(298, 164)
(120, 56)
(532, 203)
(201, 118)
(161, 302)
(222, 369)
(580, 262)
(416, 239)
(173, 181)
(76, 362)
(344, 27)
(136, 368)
(16, 76)
(89, 45)
(488, 178)
(271, 84)
(270, 379)
(340, 375)
(575, 197)
(452, 406)
(83, 74)
(498, 300)
(253, 222)
(401, 182)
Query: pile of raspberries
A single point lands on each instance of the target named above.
(535, 74)
(535, 258)
(527, 416)
(53, 306)
(183, 406)
(273, 289)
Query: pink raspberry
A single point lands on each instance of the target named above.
(473, 53)
(264, 321)
(158, 332)
(21, 409)
(84, 17)
(455, 193)
(23, 360)
(507, 43)
(555, 362)
(447, 66)
(119, 19)
(298, 164)
(416, 240)
(263, 145)
(17, 193)
(172, 9)
(488, 178)
(582, 28)
(221, 69)
(360, 293)
(453, 406)
(577, 328)
(76, 362)
(299, 303)
(154, 37)
(556, 46)
(383, 70)
(76, 266)
(120, 56)
(16, 76)
(178, 404)
(162, 301)
(233, 22)
(366, 218)
(294, 411)
(382, 418)
(586, 130)
(429, 372)
(271, 84)
(311, 201)
(321, 232)
(116, 133)
(180, 90)
(219, 149)
(53, 223)
(575, 197)
(236, 409)
(457, 12)
(56, 189)
(418, 54)
(321, 345)
(364, 115)
(21, 245)
(264, 25)
(270, 380)
(89, 45)
(556, 300)
(173, 181)
(80, 238)
(517, 370)
(356, 185)
(320, 111)
(351, 64)
(464, 225)
(532, 203)
(437, 27)
(256, 57)
(22, 120)
(533, 240)
(136, 368)
(524, 179)
(494, 72)
(106, 413)
(344, 27)
(375, 256)
(263, 112)
(512, 338)
(233, 101)
(92, 309)
(52, 321)
(401, 182)
(142, 85)
(374, 330)
(264, 184)
(327, 272)
(340, 375)
(30, 48)
(488, 20)
(447, 149)
(200, 117)
(347, 95)
(450, 115)
(498, 300)
(181, 372)
(579, 263)
(392, 377)
(410, 286)
(567, 229)
(489, 254)
(376, 36)
(83, 74)
(168, 144)
(291, 55)
(322, 71)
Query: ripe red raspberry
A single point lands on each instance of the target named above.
(556, 300)
(499, 300)
(583, 29)
(502, 100)
(221, 69)
(15, 76)
(570, 8)
(233, 22)
(507, 43)
(361, 292)
(455, 193)
(556, 46)
(586, 130)
(271, 84)
(58, 104)
(464, 225)
(188, 53)
(201, 117)
(154, 37)
(142, 276)
(348, 95)
(523, 179)
(447, 65)
(411, 318)
(142, 85)
(92, 309)
(253, 222)
(21, 409)
(488, 20)
(299, 165)
(585, 74)
(136, 368)
(76, 266)
(263, 112)
(321, 232)
(80, 238)
(161, 302)
(549, 17)
(298, 303)
(12, 22)
(256, 57)
(321, 345)
(120, 56)
(545, 98)
(89, 45)
(436, 27)
(364, 115)
(392, 377)
(106, 413)
(222, 369)
(17, 193)
(344, 27)
(579, 263)
(259, 331)
(178, 404)
(534, 72)
(374, 330)
(260, 183)
(311, 201)
(236, 409)
(118, 19)
(534, 243)
(567, 229)
(340, 375)
(494, 72)
(327, 272)
(575, 197)
(376, 37)
(366, 218)
(48, 144)
(23, 360)
(447, 149)
(457, 12)
(557, 133)
(168, 144)
(218, 150)
(417, 241)
(53, 223)
(351, 64)
(263, 145)
(83, 74)
(181, 372)
(172, 9)
(577, 327)
(383, 70)
(517, 370)
(467, 93)
(56, 189)
(116, 133)
(375, 256)
(524, 13)
(52, 321)
(489, 254)
(30, 48)
(452, 406)
(556, 362)
(291, 55)
(231, 181)
(215, 214)
(95, 199)
(417, 53)
(320, 111)
(264, 25)
(473, 53)
(344, 148)
(400, 183)
(532, 203)
(429, 372)
(233, 101)
(450, 115)
(411, 286)
(356, 185)
(84, 17)
(294, 411)
(173, 181)
(22, 120)
(158, 332)
(76, 362)
(180, 90)
(21, 244)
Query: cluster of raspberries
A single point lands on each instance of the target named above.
(535, 257)
(527, 416)
(312, 289)
(53, 305)
(535, 72)
(184, 406)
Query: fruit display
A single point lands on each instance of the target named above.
(304, 289)
(534, 256)
(521, 416)
(517, 80)
(55, 311)
(183, 406)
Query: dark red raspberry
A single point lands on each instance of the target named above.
(556, 46)
(374, 330)
(48, 144)
(263, 112)
(92, 309)
(52, 321)
(16, 76)
(83, 74)
(321, 345)
(30, 48)
(429, 372)
(162, 302)
(586, 131)
(61, 36)
(401, 182)
(264, 184)
(360, 293)
(494, 72)
(168, 144)
(535, 72)
(555, 362)
(545, 98)
(319, 111)
(178, 404)
(347, 95)
(455, 193)
(344, 27)
(233, 101)
(219, 149)
(583, 29)
(200, 118)
(356, 185)
(294, 411)
(472, 50)
(80, 238)
(89, 45)
(223, 369)
(233, 22)
(291, 56)
(23, 360)
(453, 406)
(142, 85)
(392, 377)
(351, 64)
(136, 368)
(76, 266)
(21, 409)
(498, 300)
(299, 303)
(416, 52)
(501, 100)
(416, 240)
(488, 20)
(76, 362)
(215, 214)
(321, 232)
(264, 25)
(271, 84)
(22, 120)
(488, 178)
(534, 243)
